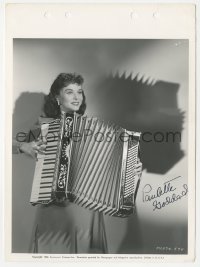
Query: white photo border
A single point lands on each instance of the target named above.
(47, 31)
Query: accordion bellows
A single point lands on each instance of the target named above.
(90, 162)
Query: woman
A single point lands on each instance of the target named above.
(65, 227)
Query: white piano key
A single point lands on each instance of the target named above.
(49, 165)
(44, 190)
(46, 180)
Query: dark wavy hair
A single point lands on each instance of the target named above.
(51, 107)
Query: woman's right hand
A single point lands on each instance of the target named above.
(34, 147)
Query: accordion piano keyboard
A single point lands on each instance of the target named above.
(45, 165)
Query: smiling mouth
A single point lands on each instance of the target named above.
(75, 103)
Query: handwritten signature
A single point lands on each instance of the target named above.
(166, 188)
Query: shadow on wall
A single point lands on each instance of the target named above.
(28, 107)
(150, 108)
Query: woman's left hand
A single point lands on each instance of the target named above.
(138, 167)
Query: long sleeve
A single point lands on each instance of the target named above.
(16, 146)
(31, 135)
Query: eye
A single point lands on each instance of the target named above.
(80, 92)
(68, 92)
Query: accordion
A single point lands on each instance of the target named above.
(89, 162)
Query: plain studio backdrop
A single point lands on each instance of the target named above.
(140, 84)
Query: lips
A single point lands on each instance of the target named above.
(75, 103)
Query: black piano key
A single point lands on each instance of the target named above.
(51, 146)
(49, 141)
(48, 172)
(45, 163)
(54, 127)
(48, 159)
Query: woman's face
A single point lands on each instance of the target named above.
(71, 97)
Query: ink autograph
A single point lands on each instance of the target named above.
(166, 189)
